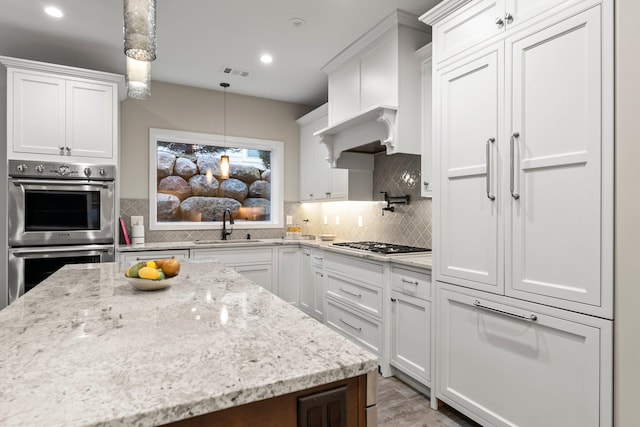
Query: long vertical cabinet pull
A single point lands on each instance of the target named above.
(488, 182)
(512, 166)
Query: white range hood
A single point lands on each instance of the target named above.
(377, 123)
(374, 90)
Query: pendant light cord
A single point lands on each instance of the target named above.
(224, 116)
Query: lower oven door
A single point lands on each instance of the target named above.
(30, 266)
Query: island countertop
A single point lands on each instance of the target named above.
(85, 348)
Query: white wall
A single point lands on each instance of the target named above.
(199, 110)
(627, 216)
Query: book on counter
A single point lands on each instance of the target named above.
(125, 235)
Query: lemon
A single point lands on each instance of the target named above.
(152, 264)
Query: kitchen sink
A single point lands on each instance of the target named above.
(226, 242)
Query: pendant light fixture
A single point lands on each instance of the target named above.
(139, 46)
(140, 29)
(224, 159)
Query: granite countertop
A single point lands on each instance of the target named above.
(85, 348)
(419, 260)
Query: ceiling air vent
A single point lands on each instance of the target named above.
(238, 72)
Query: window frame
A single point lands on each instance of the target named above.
(185, 137)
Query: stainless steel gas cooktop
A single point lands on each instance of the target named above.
(383, 248)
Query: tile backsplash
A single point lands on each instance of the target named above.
(398, 175)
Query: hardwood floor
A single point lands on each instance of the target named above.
(401, 406)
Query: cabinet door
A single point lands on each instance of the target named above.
(262, 274)
(307, 293)
(523, 10)
(556, 102)
(411, 336)
(468, 27)
(37, 114)
(90, 119)
(468, 241)
(504, 370)
(314, 169)
(289, 264)
(319, 294)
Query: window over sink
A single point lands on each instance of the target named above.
(187, 191)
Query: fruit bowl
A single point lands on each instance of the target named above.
(149, 285)
(152, 275)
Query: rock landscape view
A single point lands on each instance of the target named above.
(189, 188)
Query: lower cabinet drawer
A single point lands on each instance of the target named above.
(506, 362)
(411, 282)
(361, 330)
(365, 297)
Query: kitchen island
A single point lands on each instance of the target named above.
(85, 348)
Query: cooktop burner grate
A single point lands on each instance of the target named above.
(383, 248)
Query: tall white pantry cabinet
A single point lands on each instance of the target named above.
(523, 209)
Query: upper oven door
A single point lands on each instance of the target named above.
(60, 212)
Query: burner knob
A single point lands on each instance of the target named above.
(63, 170)
(39, 168)
(22, 168)
(87, 172)
(101, 171)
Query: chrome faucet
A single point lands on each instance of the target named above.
(226, 233)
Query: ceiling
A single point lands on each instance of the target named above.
(197, 38)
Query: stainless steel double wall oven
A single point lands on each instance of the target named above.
(59, 213)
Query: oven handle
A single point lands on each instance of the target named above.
(28, 253)
(19, 182)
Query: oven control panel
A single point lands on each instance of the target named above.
(34, 169)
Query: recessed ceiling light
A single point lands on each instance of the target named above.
(53, 11)
(297, 22)
(266, 59)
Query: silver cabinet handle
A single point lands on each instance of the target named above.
(393, 300)
(488, 176)
(499, 22)
(141, 258)
(350, 325)
(346, 291)
(531, 317)
(307, 254)
(68, 151)
(512, 167)
(403, 280)
(508, 18)
(61, 148)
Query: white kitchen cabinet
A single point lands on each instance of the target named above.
(525, 166)
(307, 292)
(127, 259)
(467, 233)
(411, 336)
(256, 264)
(426, 83)
(289, 268)
(318, 180)
(57, 111)
(354, 301)
(478, 21)
(506, 362)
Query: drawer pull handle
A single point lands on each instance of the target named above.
(141, 258)
(346, 291)
(318, 257)
(350, 325)
(403, 280)
(531, 317)
(393, 300)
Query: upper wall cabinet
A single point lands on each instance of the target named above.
(477, 21)
(374, 89)
(61, 112)
(320, 182)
